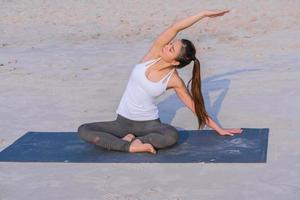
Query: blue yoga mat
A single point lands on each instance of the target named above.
(193, 146)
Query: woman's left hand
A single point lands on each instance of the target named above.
(214, 13)
(229, 131)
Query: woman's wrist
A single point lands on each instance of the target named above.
(213, 125)
(202, 14)
(218, 130)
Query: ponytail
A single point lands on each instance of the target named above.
(197, 94)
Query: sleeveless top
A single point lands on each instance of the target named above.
(138, 100)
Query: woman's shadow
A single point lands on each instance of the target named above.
(217, 83)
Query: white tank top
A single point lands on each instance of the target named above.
(138, 100)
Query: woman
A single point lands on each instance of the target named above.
(137, 127)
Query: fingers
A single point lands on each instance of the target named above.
(231, 131)
(220, 13)
(235, 130)
(218, 10)
(226, 11)
(227, 133)
(230, 134)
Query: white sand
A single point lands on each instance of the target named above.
(66, 63)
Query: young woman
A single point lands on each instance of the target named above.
(137, 127)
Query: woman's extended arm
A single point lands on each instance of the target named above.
(170, 33)
(185, 23)
(213, 125)
(186, 98)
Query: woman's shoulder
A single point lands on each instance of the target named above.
(151, 55)
(146, 59)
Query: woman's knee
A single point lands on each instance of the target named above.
(171, 136)
(82, 129)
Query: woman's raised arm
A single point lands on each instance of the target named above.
(185, 23)
(170, 33)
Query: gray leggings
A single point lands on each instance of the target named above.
(108, 134)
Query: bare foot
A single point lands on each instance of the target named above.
(138, 146)
(128, 137)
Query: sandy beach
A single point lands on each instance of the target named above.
(65, 63)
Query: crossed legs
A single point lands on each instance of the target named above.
(115, 135)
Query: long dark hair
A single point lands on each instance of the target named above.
(188, 54)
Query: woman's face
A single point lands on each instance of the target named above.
(170, 51)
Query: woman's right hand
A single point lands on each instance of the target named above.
(214, 13)
(229, 131)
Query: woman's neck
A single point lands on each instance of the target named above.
(161, 65)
